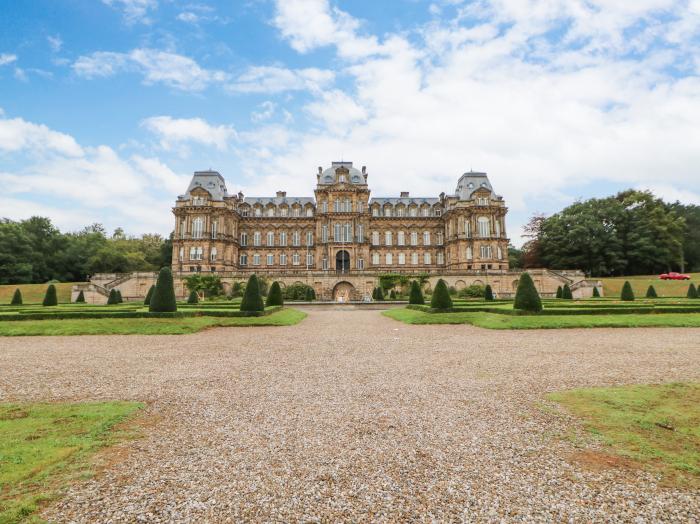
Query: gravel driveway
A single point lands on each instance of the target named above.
(353, 416)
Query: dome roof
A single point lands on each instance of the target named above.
(355, 176)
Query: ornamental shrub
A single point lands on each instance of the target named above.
(163, 298)
(526, 297)
(274, 297)
(113, 298)
(651, 292)
(193, 298)
(380, 293)
(473, 291)
(392, 295)
(692, 291)
(566, 293)
(596, 293)
(416, 295)
(627, 293)
(119, 297)
(16, 298)
(560, 292)
(441, 296)
(252, 299)
(50, 299)
(488, 293)
(149, 295)
(310, 294)
(80, 299)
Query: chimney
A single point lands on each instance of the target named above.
(404, 194)
(364, 169)
(281, 194)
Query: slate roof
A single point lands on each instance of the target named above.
(406, 201)
(278, 200)
(354, 177)
(470, 182)
(212, 181)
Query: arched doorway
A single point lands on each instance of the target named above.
(343, 291)
(342, 261)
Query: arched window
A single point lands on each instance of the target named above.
(414, 238)
(401, 238)
(375, 238)
(484, 227)
(296, 238)
(244, 238)
(426, 238)
(309, 238)
(414, 259)
(270, 211)
(375, 259)
(402, 259)
(256, 238)
(427, 259)
(388, 238)
(197, 227)
(270, 238)
(389, 259)
(283, 238)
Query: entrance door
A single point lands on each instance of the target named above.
(342, 261)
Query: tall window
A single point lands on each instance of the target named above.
(284, 211)
(244, 211)
(360, 232)
(441, 258)
(256, 260)
(375, 238)
(324, 206)
(271, 211)
(342, 232)
(270, 238)
(296, 259)
(500, 253)
(360, 263)
(283, 259)
(324, 233)
(360, 208)
(400, 211)
(244, 238)
(427, 259)
(183, 229)
(375, 211)
(468, 228)
(258, 211)
(387, 211)
(484, 227)
(485, 252)
(401, 238)
(440, 239)
(296, 238)
(243, 261)
(389, 259)
(197, 227)
(309, 259)
(270, 259)
(309, 211)
(283, 238)
(214, 229)
(182, 253)
(425, 211)
(413, 211)
(256, 238)
(212, 254)
(309, 238)
(388, 238)
(375, 259)
(498, 228)
(426, 238)
(324, 264)
(296, 211)
(470, 255)
(414, 259)
(402, 259)
(414, 238)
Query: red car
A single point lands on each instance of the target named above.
(674, 276)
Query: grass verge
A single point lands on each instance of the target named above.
(34, 293)
(657, 426)
(143, 326)
(43, 447)
(496, 321)
(612, 286)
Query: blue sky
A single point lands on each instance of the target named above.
(107, 106)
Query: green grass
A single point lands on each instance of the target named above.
(43, 447)
(665, 288)
(143, 326)
(34, 293)
(497, 321)
(656, 426)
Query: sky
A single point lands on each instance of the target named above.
(108, 106)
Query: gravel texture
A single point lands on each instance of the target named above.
(352, 416)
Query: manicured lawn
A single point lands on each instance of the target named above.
(45, 446)
(143, 326)
(34, 293)
(612, 287)
(656, 426)
(496, 321)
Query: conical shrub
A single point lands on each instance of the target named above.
(149, 295)
(596, 293)
(120, 300)
(441, 296)
(80, 299)
(488, 293)
(252, 299)
(392, 295)
(50, 299)
(651, 292)
(112, 298)
(627, 292)
(16, 298)
(692, 291)
(380, 293)
(163, 298)
(566, 293)
(416, 295)
(526, 296)
(274, 296)
(560, 292)
(310, 294)
(193, 298)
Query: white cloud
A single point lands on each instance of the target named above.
(174, 132)
(6, 58)
(189, 17)
(134, 10)
(18, 135)
(173, 70)
(267, 110)
(272, 79)
(55, 43)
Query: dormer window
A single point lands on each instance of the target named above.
(198, 201)
(341, 179)
(258, 212)
(244, 211)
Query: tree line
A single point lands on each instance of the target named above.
(36, 251)
(630, 233)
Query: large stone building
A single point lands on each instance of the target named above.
(342, 229)
(341, 240)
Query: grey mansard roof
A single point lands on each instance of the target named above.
(211, 181)
(278, 200)
(328, 176)
(470, 182)
(406, 201)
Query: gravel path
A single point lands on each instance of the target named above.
(352, 416)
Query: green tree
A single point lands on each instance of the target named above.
(441, 299)
(193, 298)
(416, 295)
(651, 292)
(149, 295)
(627, 292)
(16, 298)
(252, 299)
(488, 293)
(50, 299)
(526, 296)
(113, 298)
(163, 299)
(274, 297)
(692, 291)
(80, 299)
(566, 293)
(596, 293)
